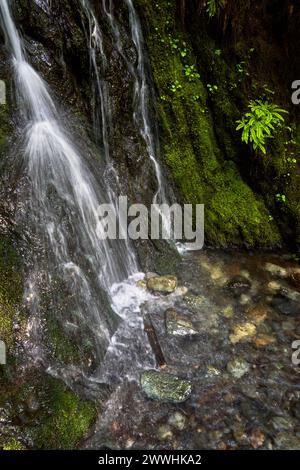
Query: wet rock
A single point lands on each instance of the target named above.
(217, 273)
(291, 294)
(258, 313)
(242, 332)
(249, 390)
(177, 420)
(245, 299)
(239, 433)
(276, 270)
(238, 368)
(264, 340)
(150, 275)
(181, 291)
(194, 301)
(281, 423)
(164, 432)
(257, 438)
(254, 410)
(178, 325)
(274, 286)
(296, 410)
(287, 441)
(129, 443)
(163, 386)
(285, 305)
(162, 284)
(227, 312)
(295, 277)
(238, 285)
(212, 371)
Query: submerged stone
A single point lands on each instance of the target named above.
(163, 386)
(178, 325)
(285, 304)
(227, 312)
(276, 270)
(238, 285)
(242, 332)
(178, 420)
(162, 284)
(238, 368)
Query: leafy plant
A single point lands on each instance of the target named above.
(191, 73)
(281, 198)
(175, 86)
(213, 6)
(260, 123)
(241, 68)
(212, 88)
(176, 46)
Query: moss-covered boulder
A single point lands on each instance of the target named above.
(162, 386)
(162, 284)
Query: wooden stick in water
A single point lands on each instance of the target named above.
(154, 343)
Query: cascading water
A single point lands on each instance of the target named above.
(122, 358)
(141, 94)
(141, 102)
(63, 212)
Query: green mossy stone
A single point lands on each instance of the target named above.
(162, 284)
(165, 387)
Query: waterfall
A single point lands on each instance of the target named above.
(141, 102)
(63, 210)
(129, 348)
(141, 94)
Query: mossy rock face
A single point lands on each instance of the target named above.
(66, 418)
(5, 129)
(46, 413)
(10, 289)
(234, 214)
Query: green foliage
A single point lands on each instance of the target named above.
(175, 86)
(13, 445)
(213, 6)
(212, 88)
(191, 73)
(260, 123)
(281, 198)
(177, 46)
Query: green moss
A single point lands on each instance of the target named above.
(13, 445)
(4, 127)
(234, 214)
(62, 347)
(67, 420)
(10, 289)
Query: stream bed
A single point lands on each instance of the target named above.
(245, 388)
